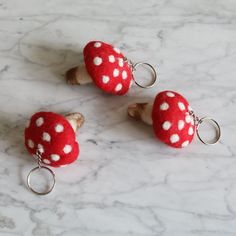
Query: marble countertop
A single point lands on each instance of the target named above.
(125, 181)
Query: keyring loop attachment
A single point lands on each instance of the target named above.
(40, 167)
(29, 182)
(215, 124)
(134, 67)
(200, 121)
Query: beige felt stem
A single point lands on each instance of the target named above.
(76, 120)
(141, 111)
(78, 75)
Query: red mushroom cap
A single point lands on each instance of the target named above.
(53, 135)
(172, 122)
(107, 67)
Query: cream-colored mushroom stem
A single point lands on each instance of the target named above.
(78, 75)
(141, 111)
(76, 120)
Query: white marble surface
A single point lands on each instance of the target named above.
(125, 182)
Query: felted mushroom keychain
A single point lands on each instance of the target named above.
(108, 68)
(173, 120)
(51, 139)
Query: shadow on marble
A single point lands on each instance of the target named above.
(58, 59)
(12, 133)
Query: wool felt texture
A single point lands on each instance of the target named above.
(53, 135)
(107, 67)
(172, 123)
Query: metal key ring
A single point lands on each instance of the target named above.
(29, 183)
(134, 67)
(215, 124)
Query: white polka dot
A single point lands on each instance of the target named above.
(55, 157)
(97, 61)
(67, 149)
(118, 87)
(46, 137)
(30, 143)
(117, 50)
(185, 144)
(105, 79)
(166, 125)
(180, 124)
(40, 148)
(111, 58)
(120, 62)
(190, 131)
(59, 128)
(124, 74)
(188, 118)
(164, 106)
(46, 161)
(27, 124)
(181, 106)
(115, 72)
(174, 138)
(39, 121)
(170, 94)
(63, 165)
(97, 45)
